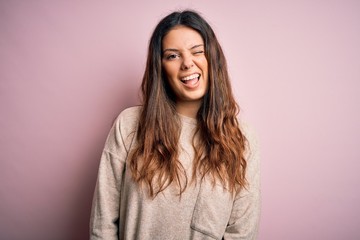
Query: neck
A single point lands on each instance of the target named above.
(188, 109)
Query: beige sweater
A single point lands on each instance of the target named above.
(121, 210)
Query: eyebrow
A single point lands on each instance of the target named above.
(176, 50)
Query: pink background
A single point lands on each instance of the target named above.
(67, 68)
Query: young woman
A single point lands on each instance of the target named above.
(181, 165)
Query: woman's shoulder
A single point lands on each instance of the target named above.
(130, 112)
(128, 116)
(250, 133)
(247, 129)
(128, 119)
(123, 129)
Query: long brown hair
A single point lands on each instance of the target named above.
(220, 144)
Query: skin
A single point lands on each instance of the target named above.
(183, 56)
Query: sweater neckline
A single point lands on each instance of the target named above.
(187, 119)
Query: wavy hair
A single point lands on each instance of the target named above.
(218, 142)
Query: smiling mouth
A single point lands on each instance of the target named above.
(190, 80)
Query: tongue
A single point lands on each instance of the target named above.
(191, 82)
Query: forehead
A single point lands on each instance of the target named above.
(181, 37)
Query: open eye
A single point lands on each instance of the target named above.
(172, 56)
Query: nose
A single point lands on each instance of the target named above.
(187, 62)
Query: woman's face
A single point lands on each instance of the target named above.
(185, 65)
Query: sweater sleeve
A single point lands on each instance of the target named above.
(245, 215)
(104, 221)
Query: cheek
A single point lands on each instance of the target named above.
(203, 64)
(170, 74)
(170, 70)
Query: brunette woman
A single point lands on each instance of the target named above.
(181, 165)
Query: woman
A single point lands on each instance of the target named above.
(180, 166)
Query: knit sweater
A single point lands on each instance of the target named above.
(123, 210)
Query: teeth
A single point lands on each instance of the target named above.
(196, 75)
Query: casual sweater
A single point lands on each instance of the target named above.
(123, 210)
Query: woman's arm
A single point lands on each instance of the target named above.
(104, 221)
(245, 215)
(105, 208)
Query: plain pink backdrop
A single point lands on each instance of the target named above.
(67, 68)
